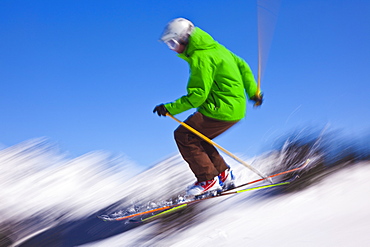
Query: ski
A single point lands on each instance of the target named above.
(160, 211)
(185, 204)
(273, 175)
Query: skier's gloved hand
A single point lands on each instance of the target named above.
(258, 99)
(160, 110)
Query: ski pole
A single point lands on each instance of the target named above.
(267, 13)
(218, 146)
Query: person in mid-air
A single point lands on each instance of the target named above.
(218, 87)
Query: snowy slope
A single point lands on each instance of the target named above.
(334, 212)
(50, 200)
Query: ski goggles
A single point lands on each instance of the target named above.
(172, 44)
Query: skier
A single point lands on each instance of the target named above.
(217, 87)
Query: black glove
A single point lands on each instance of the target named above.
(160, 110)
(258, 99)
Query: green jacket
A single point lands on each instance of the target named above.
(218, 80)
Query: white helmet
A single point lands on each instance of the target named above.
(178, 29)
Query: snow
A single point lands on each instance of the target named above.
(39, 182)
(334, 212)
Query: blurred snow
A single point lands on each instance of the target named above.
(41, 189)
(334, 212)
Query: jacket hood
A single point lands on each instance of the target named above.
(199, 40)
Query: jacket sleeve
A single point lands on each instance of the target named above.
(198, 88)
(249, 82)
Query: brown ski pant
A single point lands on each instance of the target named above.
(202, 157)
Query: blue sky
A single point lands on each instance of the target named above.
(87, 74)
